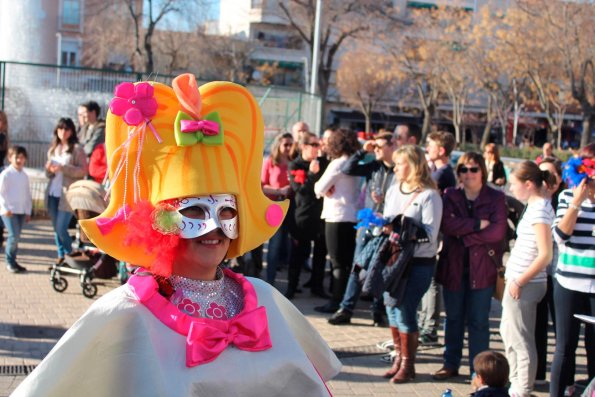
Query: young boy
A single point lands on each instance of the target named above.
(491, 375)
(15, 203)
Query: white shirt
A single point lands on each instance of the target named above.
(15, 193)
(525, 251)
(55, 189)
(342, 205)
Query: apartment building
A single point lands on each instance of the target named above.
(48, 31)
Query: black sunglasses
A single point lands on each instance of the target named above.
(313, 144)
(463, 170)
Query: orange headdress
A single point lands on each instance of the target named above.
(186, 141)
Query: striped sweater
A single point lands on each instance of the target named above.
(525, 249)
(576, 261)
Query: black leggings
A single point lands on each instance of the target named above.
(340, 243)
(568, 303)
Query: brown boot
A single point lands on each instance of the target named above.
(408, 349)
(397, 361)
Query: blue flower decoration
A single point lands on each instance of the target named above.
(368, 218)
(573, 172)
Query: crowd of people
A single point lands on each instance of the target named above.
(464, 221)
(435, 235)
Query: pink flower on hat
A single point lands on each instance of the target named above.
(189, 307)
(135, 103)
(217, 312)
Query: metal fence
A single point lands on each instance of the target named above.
(35, 96)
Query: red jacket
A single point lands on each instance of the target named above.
(98, 163)
(461, 231)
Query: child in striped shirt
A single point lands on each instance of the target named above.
(525, 275)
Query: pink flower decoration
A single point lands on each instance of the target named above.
(216, 311)
(189, 307)
(134, 102)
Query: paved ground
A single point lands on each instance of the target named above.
(34, 316)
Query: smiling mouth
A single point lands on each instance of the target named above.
(209, 242)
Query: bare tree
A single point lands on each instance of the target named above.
(569, 29)
(138, 20)
(364, 79)
(341, 20)
(528, 47)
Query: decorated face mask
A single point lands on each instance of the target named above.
(193, 217)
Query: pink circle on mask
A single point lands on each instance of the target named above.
(274, 215)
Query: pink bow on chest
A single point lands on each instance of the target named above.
(207, 339)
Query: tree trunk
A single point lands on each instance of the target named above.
(588, 122)
(485, 137)
(427, 124)
(457, 132)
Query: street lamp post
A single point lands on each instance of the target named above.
(315, 54)
(58, 57)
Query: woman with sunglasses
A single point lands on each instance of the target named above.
(473, 226)
(307, 227)
(496, 173)
(275, 184)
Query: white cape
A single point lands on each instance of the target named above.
(118, 348)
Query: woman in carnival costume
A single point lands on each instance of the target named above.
(185, 164)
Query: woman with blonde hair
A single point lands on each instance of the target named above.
(496, 172)
(413, 194)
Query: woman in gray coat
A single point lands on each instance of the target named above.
(66, 164)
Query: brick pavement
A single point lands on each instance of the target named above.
(29, 301)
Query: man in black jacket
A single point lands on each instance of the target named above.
(307, 226)
(379, 175)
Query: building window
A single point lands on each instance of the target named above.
(69, 53)
(71, 12)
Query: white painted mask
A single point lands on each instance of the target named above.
(202, 214)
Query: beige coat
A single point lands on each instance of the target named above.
(75, 169)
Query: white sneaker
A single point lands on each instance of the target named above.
(386, 345)
(388, 357)
(569, 391)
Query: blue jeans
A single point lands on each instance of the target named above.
(352, 293)
(277, 252)
(60, 221)
(404, 317)
(471, 307)
(14, 225)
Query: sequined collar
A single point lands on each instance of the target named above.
(198, 286)
(219, 299)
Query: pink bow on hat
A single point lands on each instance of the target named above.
(207, 127)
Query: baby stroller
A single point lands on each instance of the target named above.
(85, 197)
